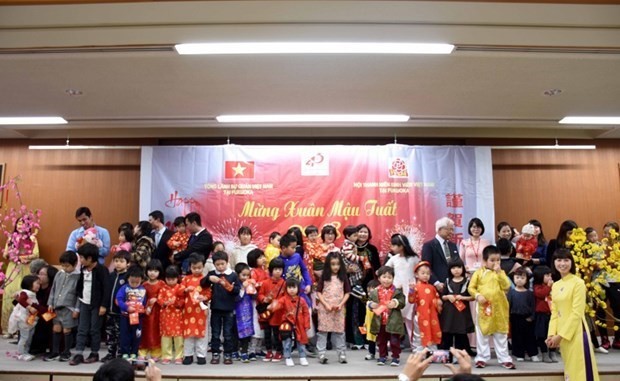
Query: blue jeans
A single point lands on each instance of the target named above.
(130, 336)
(288, 346)
(222, 321)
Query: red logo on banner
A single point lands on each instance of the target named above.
(398, 168)
(239, 170)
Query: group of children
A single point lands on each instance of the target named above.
(158, 314)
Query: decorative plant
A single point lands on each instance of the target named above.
(8, 219)
(595, 262)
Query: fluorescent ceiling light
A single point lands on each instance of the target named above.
(591, 120)
(312, 118)
(32, 120)
(314, 48)
(547, 147)
(68, 147)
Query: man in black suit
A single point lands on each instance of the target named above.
(200, 241)
(439, 251)
(160, 234)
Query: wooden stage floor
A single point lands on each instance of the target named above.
(357, 368)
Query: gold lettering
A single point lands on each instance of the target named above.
(340, 209)
(373, 209)
(254, 209)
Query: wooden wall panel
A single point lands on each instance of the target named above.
(58, 182)
(555, 185)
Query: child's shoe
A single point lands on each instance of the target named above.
(546, 357)
(108, 357)
(252, 356)
(480, 364)
(215, 359)
(303, 361)
(51, 357)
(395, 362)
(188, 360)
(601, 350)
(554, 356)
(260, 353)
(165, 362)
(228, 360)
(64, 357)
(520, 359)
(201, 360)
(509, 365)
(342, 358)
(322, 359)
(178, 362)
(289, 362)
(535, 358)
(268, 356)
(277, 357)
(235, 356)
(93, 357)
(26, 357)
(381, 361)
(77, 360)
(125, 357)
(245, 358)
(369, 356)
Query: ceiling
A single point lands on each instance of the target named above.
(134, 85)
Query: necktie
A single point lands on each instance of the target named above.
(157, 238)
(446, 250)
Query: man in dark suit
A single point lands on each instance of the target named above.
(160, 235)
(439, 251)
(200, 241)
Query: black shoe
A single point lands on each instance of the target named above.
(188, 360)
(201, 361)
(64, 357)
(77, 360)
(108, 357)
(51, 357)
(93, 357)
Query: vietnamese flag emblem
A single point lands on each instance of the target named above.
(238, 169)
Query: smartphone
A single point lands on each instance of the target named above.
(440, 356)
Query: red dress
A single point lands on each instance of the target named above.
(150, 325)
(269, 291)
(425, 297)
(194, 317)
(172, 313)
(259, 275)
(299, 316)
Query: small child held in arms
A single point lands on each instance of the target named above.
(244, 311)
(333, 291)
(93, 292)
(270, 290)
(312, 248)
(125, 238)
(295, 321)
(131, 300)
(225, 286)
(387, 325)
(370, 338)
(456, 319)
(115, 281)
(527, 244)
(26, 313)
(179, 240)
(195, 312)
(63, 302)
(488, 286)
(428, 305)
(170, 299)
(273, 247)
(522, 308)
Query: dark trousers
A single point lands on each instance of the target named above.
(456, 340)
(382, 340)
(222, 322)
(130, 336)
(113, 332)
(244, 344)
(372, 347)
(272, 338)
(355, 314)
(89, 326)
(523, 339)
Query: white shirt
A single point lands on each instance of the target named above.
(88, 287)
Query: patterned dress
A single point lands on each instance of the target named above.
(425, 297)
(194, 317)
(171, 316)
(151, 338)
(333, 292)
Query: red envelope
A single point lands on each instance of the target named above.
(460, 306)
